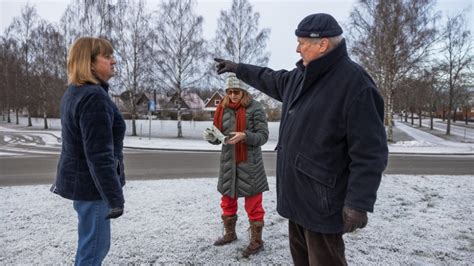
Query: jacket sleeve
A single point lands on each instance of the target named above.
(368, 152)
(259, 135)
(96, 120)
(264, 79)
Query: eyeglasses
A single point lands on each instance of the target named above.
(235, 92)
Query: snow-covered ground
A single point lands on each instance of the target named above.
(418, 220)
(427, 143)
(163, 136)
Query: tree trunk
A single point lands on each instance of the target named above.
(133, 102)
(9, 119)
(420, 119)
(412, 118)
(431, 120)
(389, 119)
(467, 116)
(29, 119)
(180, 130)
(454, 115)
(45, 108)
(178, 91)
(45, 116)
(17, 117)
(134, 125)
(448, 126)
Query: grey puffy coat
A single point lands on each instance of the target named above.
(247, 178)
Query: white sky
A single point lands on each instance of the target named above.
(281, 16)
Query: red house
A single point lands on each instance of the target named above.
(211, 104)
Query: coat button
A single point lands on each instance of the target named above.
(290, 112)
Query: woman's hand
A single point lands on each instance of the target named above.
(237, 137)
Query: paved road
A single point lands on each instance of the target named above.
(143, 165)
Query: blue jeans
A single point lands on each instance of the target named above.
(93, 232)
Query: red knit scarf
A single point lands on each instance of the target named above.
(240, 147)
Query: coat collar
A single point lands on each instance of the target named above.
(317, 68)
(103, 84)
(320, 66)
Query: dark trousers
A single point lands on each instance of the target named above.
(311, 248)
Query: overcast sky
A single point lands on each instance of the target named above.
(281, 16)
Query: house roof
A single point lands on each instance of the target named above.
(193, 100)
(216, 94)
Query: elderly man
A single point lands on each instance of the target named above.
(332, 147)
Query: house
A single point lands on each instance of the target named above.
(141, 102)
(467, 111)
(191, 107)
(272, 107)
(462, 111)
(211, 103)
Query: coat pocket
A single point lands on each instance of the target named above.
(316, 181)
(314, 171)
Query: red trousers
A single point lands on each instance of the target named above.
(253, 206)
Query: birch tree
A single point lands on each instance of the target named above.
(457, 62)
(48, 62)
(131, 35)
(89, 18)
(22, 29)
(392, 39)
(238, 37)
(178, 49)
(10, 71)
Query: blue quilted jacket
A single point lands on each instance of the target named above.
(91, 163)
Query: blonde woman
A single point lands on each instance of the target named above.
(90, 169)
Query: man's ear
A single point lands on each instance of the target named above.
(324, 45)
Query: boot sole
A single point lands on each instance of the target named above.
(223, 244)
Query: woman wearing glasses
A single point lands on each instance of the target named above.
(242, 173)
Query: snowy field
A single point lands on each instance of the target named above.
(159, 128)
(418, 220)
(164, 132)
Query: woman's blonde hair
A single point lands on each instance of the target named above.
(245, 101)
(82, 53)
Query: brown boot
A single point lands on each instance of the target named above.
(256, 242)
(229, 227)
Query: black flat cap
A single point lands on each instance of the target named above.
(318, 26)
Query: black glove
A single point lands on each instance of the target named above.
(115, 213)
(224, 66)
(353, 219)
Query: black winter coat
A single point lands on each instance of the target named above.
(332, 146)
(91, 163)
